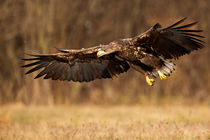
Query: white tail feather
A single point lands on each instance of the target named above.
(166, 69)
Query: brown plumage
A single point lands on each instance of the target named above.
(151, 53)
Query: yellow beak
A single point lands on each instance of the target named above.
(100, 53)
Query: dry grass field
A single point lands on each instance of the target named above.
(90, 122)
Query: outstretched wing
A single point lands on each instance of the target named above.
(173, 41)
(76, 65)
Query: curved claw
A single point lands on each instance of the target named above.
(150, 81)
(161, 75)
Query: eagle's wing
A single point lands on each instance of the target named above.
(173, 41)
(76, 65)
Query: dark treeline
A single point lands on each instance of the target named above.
(40, 25)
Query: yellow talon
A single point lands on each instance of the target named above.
(150, 81)
(161, 75)
(100, 53)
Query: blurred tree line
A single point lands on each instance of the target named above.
(40, 25)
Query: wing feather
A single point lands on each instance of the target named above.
(178, 22)
(173, 41)
(185, 26)
(82, 68)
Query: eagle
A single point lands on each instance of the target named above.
(151, 53)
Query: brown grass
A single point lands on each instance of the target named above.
(104, 122)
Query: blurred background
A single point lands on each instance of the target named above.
(40, 25)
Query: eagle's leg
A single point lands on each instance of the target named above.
(150, 81)
(161, 75)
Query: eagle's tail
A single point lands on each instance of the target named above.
(167, 68)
